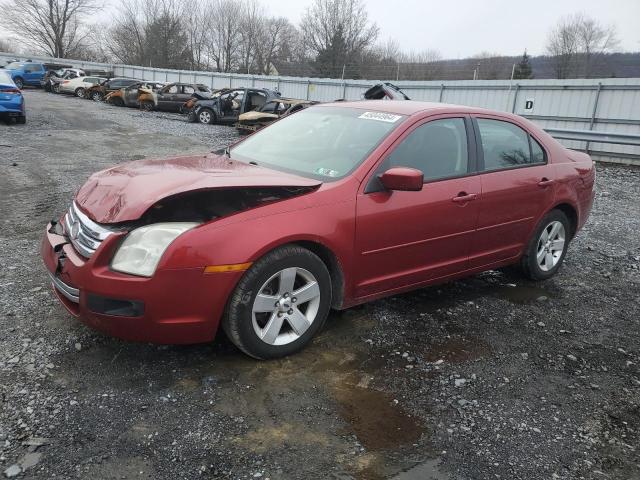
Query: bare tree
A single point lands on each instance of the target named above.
(337, 32)
(276, 42)
(151, 33)
(225, 23)
(53, 27)
(575, 41)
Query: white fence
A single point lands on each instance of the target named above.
(604, 105)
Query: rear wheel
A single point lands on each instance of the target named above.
(22, 119)
(55, 88)
(19, 82)
(96, 96)
(206, 115)
(79, 92)
(117, 101)
(280, 303)
(548, 246)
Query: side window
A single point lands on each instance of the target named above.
(115, 84)
(188, 89)
(506, 145)
(171, 89)
(437, 148)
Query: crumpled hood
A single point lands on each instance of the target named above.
(125, 192)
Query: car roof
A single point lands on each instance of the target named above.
(408, 107)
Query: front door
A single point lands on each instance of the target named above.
(406, 238)
(517, 188)
(166, 97)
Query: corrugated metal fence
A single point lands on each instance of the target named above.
(600, 105)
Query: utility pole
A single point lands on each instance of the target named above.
(398, 72)
(344, 66)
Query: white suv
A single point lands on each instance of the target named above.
(78, 85)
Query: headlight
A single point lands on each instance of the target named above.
(141, 251)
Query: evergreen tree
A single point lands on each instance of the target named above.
(523, 68)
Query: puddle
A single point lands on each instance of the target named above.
(375, 420)
(458, 350)
(521, 294)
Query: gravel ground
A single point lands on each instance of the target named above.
(490, 377)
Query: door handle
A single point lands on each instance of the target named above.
(545, 182)
(464, 197)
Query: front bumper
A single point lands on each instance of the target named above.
(178, 306)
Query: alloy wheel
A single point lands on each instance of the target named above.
(204, 117)
(286, 305)
(80, 92)
(550, 246)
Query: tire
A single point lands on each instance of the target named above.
(55, 88)
(79, 92)
(266, 331)
(191, 117)
(19, 82)
(206, 115)
(117, 101)
(547, 247)
(22, 119)
(96, 96)
(147, 106)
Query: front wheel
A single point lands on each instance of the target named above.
(548, 246)
(96, 96)
(19, 83)
(280, 303)
(147, 106)
(206, 115)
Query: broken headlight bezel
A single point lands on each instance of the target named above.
(140, 252)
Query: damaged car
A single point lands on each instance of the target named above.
(172, 97)
(133, 94)
(98, 92)
(332, 207)
(385, 91)
(230, 104)
(78, 85)
(253, 121)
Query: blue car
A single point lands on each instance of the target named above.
(26, 73)
(11, 100)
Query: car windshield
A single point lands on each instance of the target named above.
(14, 66)
(325, 143)
(5, 78)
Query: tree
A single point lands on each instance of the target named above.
(52, 27)
(574, 43)
(523, 69)
(151, 33)
(337, 32)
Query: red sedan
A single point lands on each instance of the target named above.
(334, 206)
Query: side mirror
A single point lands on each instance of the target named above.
(402, 179)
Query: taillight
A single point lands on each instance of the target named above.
(66, 81)
(10, 90)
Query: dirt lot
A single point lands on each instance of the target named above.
(491, 377)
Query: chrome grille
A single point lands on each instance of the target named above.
(83, 233)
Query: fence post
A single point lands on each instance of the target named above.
(515, 98)
(308, 86)
(344, 91)
(278, 85)
(441, 92)
(593, 113)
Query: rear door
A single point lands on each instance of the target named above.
(166, 97)
(405, 238)
(517, 188)
(33, 73)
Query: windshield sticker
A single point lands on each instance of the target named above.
(381, 117)
(327, 172)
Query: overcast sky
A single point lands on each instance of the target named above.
(460, 28)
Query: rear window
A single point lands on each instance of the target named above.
(506, 145)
